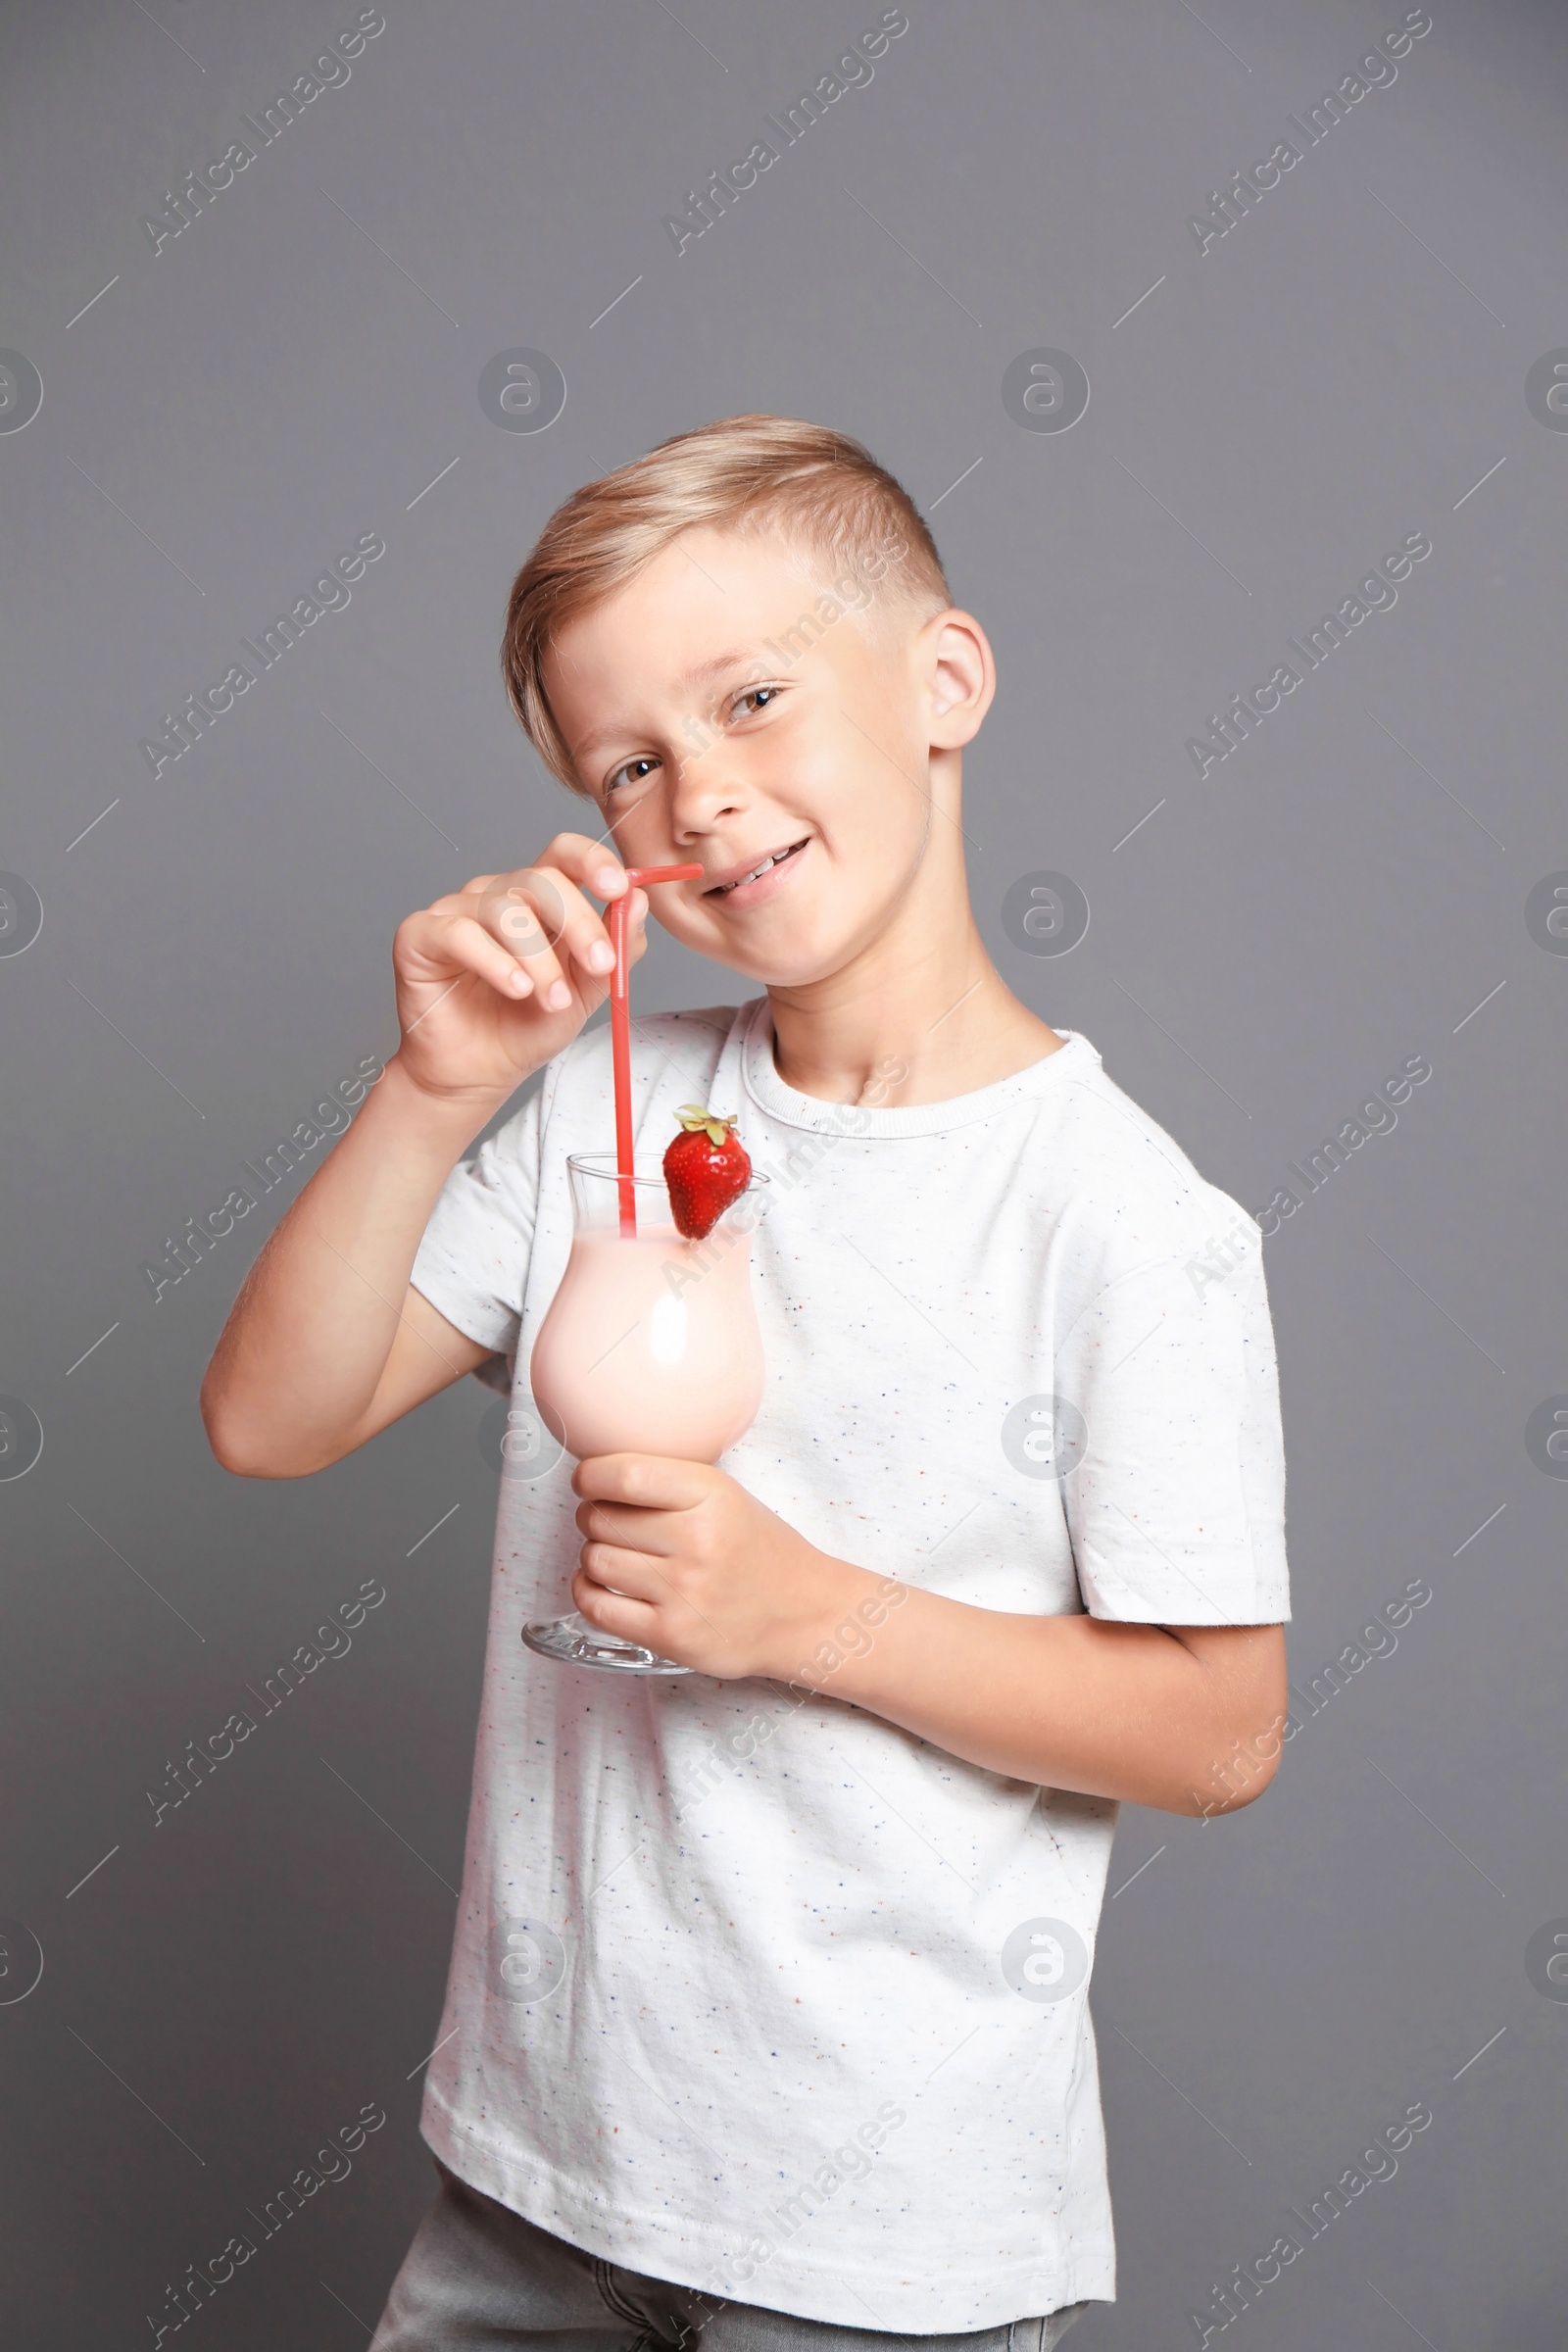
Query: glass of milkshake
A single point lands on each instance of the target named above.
(650, 1346)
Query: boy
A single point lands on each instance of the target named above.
(767, 2013)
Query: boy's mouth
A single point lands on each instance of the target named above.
(748, 878)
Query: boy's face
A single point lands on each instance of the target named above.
(722, 709)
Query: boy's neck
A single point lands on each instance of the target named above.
(944, 1015)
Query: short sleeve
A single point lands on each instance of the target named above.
(474, 1257)
(1176, 1504)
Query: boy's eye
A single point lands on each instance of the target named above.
(754, 697)
(634, 771)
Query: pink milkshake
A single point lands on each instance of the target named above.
(650, 1343)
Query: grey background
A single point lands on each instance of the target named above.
(231, 1985)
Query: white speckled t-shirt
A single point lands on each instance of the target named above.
(751, 1989)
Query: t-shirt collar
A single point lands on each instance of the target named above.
(788, 1108)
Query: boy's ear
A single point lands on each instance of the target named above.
(960, 675)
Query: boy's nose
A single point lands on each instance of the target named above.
(706, 791)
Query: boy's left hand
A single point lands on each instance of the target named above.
(680, 1557)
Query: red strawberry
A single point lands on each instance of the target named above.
(706, 1168)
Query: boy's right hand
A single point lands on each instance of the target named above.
(495, 979)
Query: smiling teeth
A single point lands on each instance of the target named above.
(777, 858)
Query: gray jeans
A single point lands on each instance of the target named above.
(477, 2274)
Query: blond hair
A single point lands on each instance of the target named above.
(816, 488)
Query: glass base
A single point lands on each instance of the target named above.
(573, 1641)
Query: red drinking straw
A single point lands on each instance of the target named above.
(621, 1029)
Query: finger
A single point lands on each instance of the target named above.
(527, 913)
(622, 1569)
(613, 1613)
(652, 1481)
(600, 871)
(638, 1579)
(593, 864)
(548, 924)
(456, 943)
(635, 1526)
